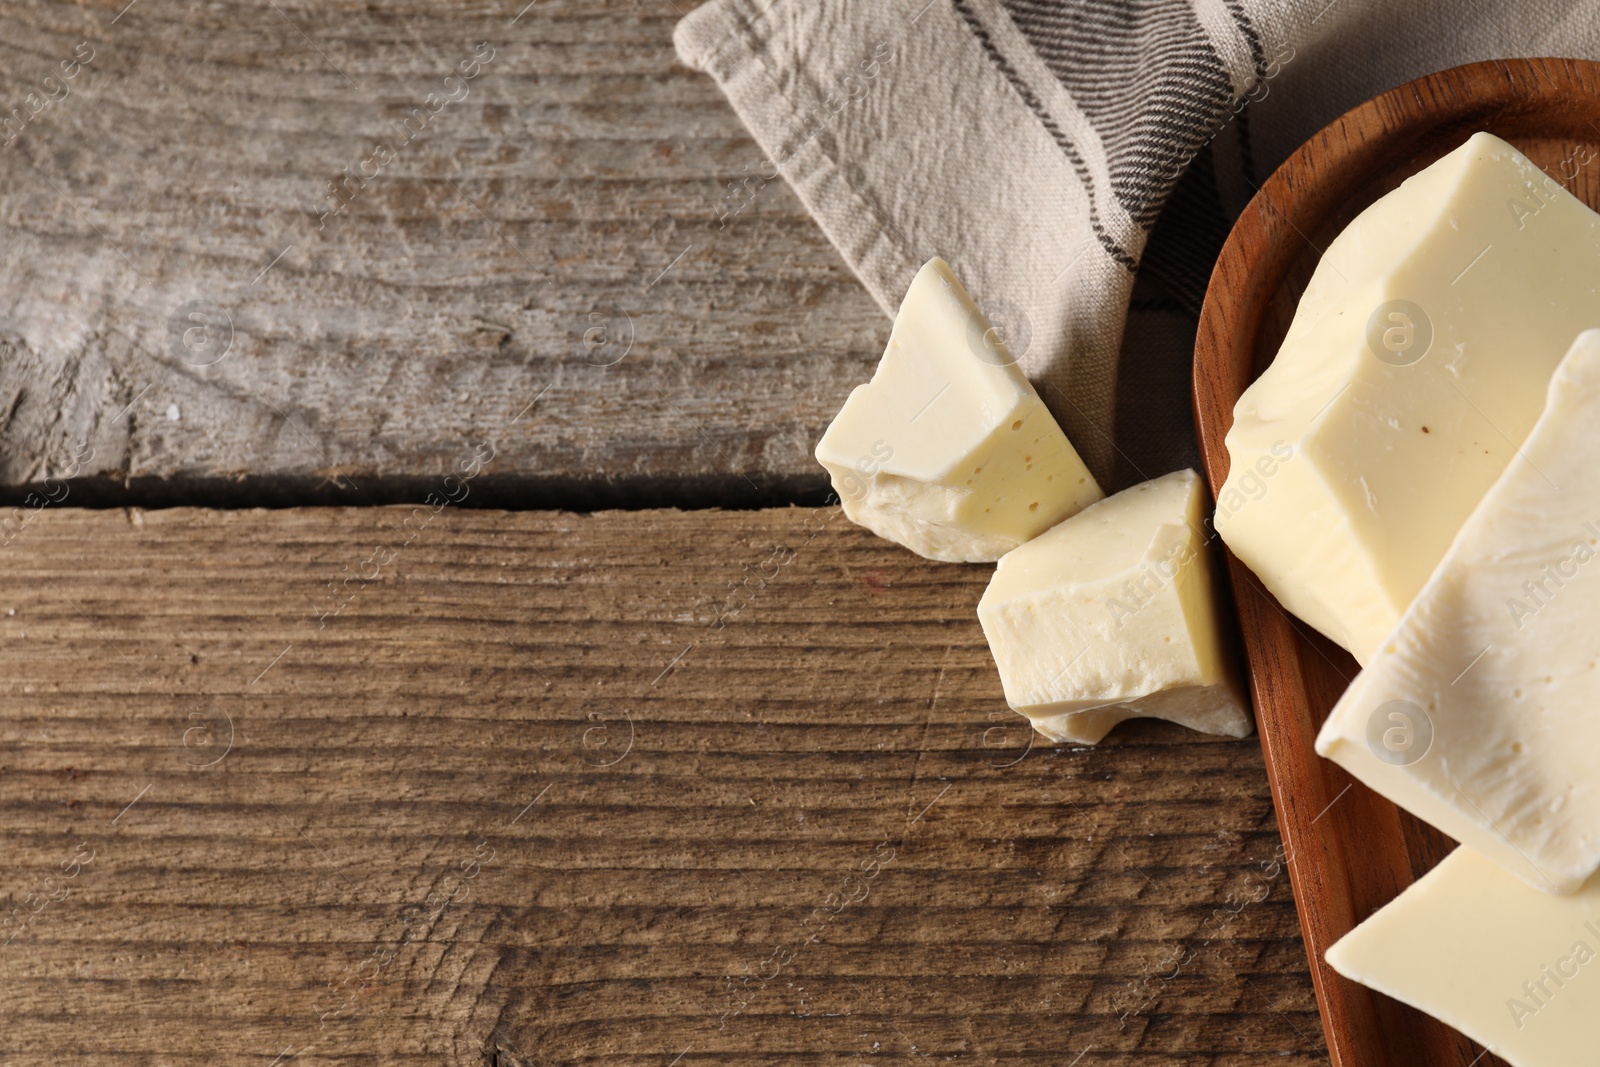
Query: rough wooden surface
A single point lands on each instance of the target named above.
(648, 789)
(556, 227)
(1357, 850)
(631, 789)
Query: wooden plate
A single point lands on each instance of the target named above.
(1350, 850)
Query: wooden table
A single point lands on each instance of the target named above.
(446, 784)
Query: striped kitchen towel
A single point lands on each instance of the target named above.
(1078, 162)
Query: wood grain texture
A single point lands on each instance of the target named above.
(1354, 851)
(556, 789)
(557, 230)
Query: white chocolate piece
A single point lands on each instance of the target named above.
(1516, 970)
(1111, 615)
(1415, 364)
(948, 450)
(1479, 713)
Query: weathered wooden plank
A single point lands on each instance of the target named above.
(591, 789)
(176, 301)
